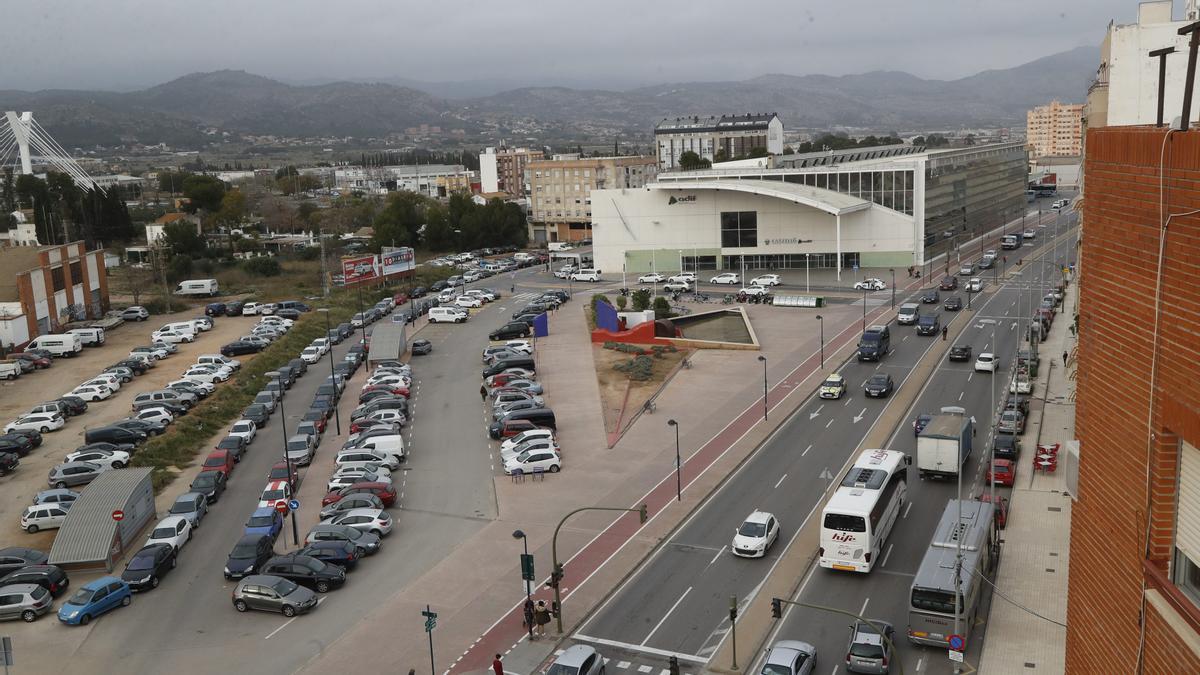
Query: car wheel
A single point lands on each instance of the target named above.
(85, 620)
(153, 581)
(29, 616)
(60, 485)
(32, 529)
(118, 465)
(240, 605)
(554, 468)
(288, 611)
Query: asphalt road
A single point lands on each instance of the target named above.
(678, 601)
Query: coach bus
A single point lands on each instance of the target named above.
(933, 592)
(860, 514)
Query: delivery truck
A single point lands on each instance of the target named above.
(945, 443)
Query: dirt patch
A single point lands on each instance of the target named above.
(621, 396)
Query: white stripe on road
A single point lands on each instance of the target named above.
(863, 611)
(886, 555)
(718, 555)
(906, 510)
(806, 450)
(828, 423)
(781, 479)
(288, 622)
(664, 618)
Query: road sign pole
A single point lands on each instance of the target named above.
(430, 623)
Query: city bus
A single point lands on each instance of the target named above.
(864, 507)
(933, 592)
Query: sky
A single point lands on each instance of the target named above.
(130, 44)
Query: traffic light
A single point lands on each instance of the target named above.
(556, 576)
(777, 608)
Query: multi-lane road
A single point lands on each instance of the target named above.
(677, 602)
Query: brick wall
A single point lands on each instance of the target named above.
(1118, 265)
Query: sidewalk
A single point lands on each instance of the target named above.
(1036, 542)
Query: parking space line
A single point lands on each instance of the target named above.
(718, 555)
(827, 424)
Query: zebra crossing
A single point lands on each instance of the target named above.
(622, 666)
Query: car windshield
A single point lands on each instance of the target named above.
(297, 445)
(271, 495)
(560, 669)
(162, 533)
(832, 383)
(260, 521)
(141, 562)
(284, 587)
(753, 529)
(772, 669)
(214, 461)
(204, 481)
(183, 507)
(878, 379)
(82, 597)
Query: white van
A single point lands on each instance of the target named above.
(91, 337)
(586, 274)
(218, 360)
(522, 255)
(198, 287)
(66, 344)
(557, 246)
(447, 315)
(392, 446)
(185, 327)
(908, 314)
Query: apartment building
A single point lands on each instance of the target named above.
(47, 287)
(431, 180)
(717, 138)
(503, 170)
(1055, 130)
(560, 197)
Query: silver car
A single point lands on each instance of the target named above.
(869, 652)
(578, 660)
(24, 601)
(367, 542)
(192, 505)
(790, 657)
(73, 473)
(362, 500)
(272, 594)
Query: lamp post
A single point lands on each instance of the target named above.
(556, 574)
(763, 359)
(864, 308)
(362, 319)
(822, 320)
(337, 416)
(893, 271)
(678, 463)
(275, 376)
(806, 268)
(518, 534)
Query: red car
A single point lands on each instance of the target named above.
(400, 298)
(385, 492)
(219, 460)
(280, 471)
(38, 362)
(1001, 508)
(394, 389)
(1005, 472)
(318, 418)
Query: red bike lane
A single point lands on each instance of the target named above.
(580, 567)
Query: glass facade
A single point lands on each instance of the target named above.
(889, 189)
(786, 261)
(739, 229)
(968, 192)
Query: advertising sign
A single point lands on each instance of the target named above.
(358, 268)
(396, 260)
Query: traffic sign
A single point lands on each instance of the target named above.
(281, 506)
(294, 504)
(955, 655)
(957, 642)
(430, 624)
(118, 515)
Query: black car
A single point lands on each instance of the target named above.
(306, 571)
(323, 403)
(334, 336)
(33, 436)
(329, 389)
(345, 329)
(354, 358)
(215, 309)
(237, 348)
(418, 292)
(14, 558)
(510, 330)
(75, 405)
(931, 297)
(50, 577)
(248, 555)
(288, 313)
(139, 426)
(236, 445)
(953, 303)
(8, 462)
(188, 388)
(1006, 446)
(345, 368)
(107, 447)
(1017, 402)
(113, 434)
(949, 283)
(148, 566)
(257, 413)
(138, 367)
(563, 296)
(960, 353)
(421, 347)
(344, 554)
(439, 285)
(879, 385)
(210, 484)
(527, 318)
(234, 308)
(14, 443)
(288, 375)
(298, 366)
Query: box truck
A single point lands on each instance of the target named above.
(945, 443)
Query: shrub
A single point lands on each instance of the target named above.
(263, 266)
(641, 300)
(662, 308)
(310, 253)
(639, 368)
(622, 301)
(179, 268)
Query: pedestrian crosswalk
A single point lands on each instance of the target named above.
(630, 667)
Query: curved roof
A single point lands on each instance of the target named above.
(829, 201)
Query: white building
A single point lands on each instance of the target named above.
(717, 138)
(1125, 90)
(430, 180)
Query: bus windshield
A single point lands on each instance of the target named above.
(931, 600)
(845, 523)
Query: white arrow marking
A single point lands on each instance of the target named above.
(813, 415)
(859, 416)
(825, 475)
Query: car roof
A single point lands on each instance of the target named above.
(784, 651)
(173, 520)
(834, 377)
(263, 511)
(759, 517)
(575, 655)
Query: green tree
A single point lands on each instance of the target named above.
(263, 266)
(690, 161)
(306, 212)
(662, 308)
(172, 181)
(181, 239)
(297, 184)
(720, 156)
(969, 139)
(918, 140)
(936, 141)
(399, 221)
(757, 152)
(179, 268)
(233, 209)
(641, 300)
(204, 192)
(622, 302)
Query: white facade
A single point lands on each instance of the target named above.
(708, 136)
(489, 175)
(412, 178)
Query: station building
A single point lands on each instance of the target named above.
(889, 206)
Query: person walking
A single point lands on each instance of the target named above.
(497, 665)
(483, 392)
(945, 329)
(541, 617)
(1066, 355)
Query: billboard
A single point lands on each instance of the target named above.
(396, 260)
(357, 269)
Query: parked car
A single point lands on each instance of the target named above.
(869, 650)
(50, 577)
(248, 555)
(135, 313)
(13, 558)
(39, 517)
(306, 571)
(790, 657)
(1004, 471)
(173, 530)
(74, 473)
(272, 594)
(94, 599)
(265, 520)
(727, 278)
(211, 484)
(148, 566)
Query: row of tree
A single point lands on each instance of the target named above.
(410, 219)
(63, 211)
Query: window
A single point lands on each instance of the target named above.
(739, 229)
(76, 272)
(56, 275)
(1185, 570)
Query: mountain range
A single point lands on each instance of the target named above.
(185, 112)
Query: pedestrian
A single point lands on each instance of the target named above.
(528, 615)
(945, 329)
(483, 392)
(497, 665)
(513, 290)
(541, 617)
(1066, 355)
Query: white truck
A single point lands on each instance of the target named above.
(944, 444)
(207, 287)
(10, 370)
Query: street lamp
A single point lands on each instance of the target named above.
(864, 308)
(275, 376)
(763, 359)
(525, 559)
(822, 320)
(337, 416)
(678, 463)
(557, 573)
(893, 271)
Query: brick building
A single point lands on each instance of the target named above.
(1135, 530)
(560, 191)
(503, 170)
(45, 287)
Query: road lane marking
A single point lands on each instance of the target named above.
(906, 510)
(288, 623)
(664, 617)
(960, 395)
(638, 648)
(781, 479)
(970, 375)
(920, 662)
(718, 555)
(886, 555)
(806, 450)
(848, 402)
(863, 611)
(828, 424)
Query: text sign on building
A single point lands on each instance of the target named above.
(358, 268)
(682, 199)
(395, 260)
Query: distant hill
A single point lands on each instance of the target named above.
(182, 112)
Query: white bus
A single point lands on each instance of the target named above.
(860, 514)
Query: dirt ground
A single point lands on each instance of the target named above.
(614, 384)
(19, 395)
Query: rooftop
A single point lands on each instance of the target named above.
(714, 123)
(829, 201)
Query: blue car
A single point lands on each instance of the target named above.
(265, 520)
(93, 599)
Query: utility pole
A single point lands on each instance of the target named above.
(324, 263)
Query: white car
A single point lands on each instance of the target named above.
(975, 285)
(755, 535)
(275, 492)
(250, 309)
(1029, 234)
(206, 387)
(524, 436)
(689, 277)
(40, 422)
(389, 416)
(870, 285)
(157, 352)
(173, 530)
(374, 521)
(244, 429)
(545, 459)
(378, 468)
(43, 517)
(158, 417)
(522, 346)
(273, 320)
(766, 280)
(98, 382)
(677, 287)
(728, 278)
(481, 294)
(90, 393)
(109, 459)
(532, 445)
(201, 375)
(310, 355)
(986, 362)
(172, 336)
(165, 346)
(390, 380)
(652, 278)
(267, 308)
(753, 290)
(466, 301)
(1021, 386)
(322, 344)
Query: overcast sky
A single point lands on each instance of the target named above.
(134, 43)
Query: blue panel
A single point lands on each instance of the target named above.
(541, 325)
(606, 317)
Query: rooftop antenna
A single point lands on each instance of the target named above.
(1161, 55)
(1193, 31)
